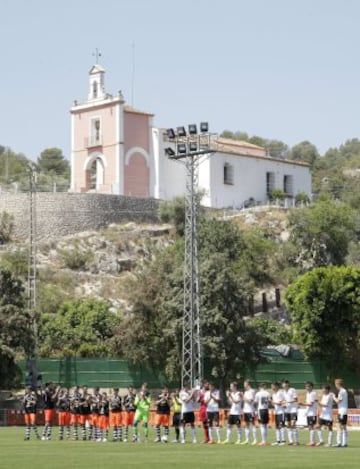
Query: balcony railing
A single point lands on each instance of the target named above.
(93, 141)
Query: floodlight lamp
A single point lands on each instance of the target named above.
(181, 148)
(193, 146)
(169, 152)
(181, 131)
(170, 133)
(204, 127)
(192, 129)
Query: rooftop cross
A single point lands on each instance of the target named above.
(96, 54)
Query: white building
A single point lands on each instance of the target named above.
(116, 149)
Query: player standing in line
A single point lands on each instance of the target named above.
(249, 415)
(94, 432)
(85, 411)
(115, 415)
(176, 405)
(291, 410)
(129, 407)
(75, 411)
(142, 414)
(311, 411)
(212, 401)
(326, 415)
(262, 399)
(29, 407)
(162, 417)
(64, 415)
(234, 397)
(277, 400)
(203, 410)
(49, 398)
(342, 402)
(103, 418)
(187, 397)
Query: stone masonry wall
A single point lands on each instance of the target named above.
(60, 214)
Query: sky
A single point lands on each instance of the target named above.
(282, 69)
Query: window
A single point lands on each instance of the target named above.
(95, 89)
(228, 173)
(288, 184)
(270, 182)
(95, 136)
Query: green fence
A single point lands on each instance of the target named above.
(114, 372)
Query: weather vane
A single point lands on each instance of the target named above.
(96, 54)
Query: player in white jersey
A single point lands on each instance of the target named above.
(326, 415)
(186, 397)
(342, 402)
(249, 415)
(212, 401)
(234, 397)
(262, 400)
(291, 409)
(311, 411)
(277, 400)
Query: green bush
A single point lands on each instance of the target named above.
(75, 258)
(6, 227)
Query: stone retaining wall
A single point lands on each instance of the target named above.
(60, 214)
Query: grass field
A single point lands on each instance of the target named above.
(16, 453)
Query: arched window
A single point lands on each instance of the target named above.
(95, 89)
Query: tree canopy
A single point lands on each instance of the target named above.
(325, 308)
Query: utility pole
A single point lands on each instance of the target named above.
(32, 253)
(189, 148)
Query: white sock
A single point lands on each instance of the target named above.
(339, 437)
(239, 431)
(296, 435)
(320, 435)
(211, 433)
(228, 433)
(218, 433)
(263, 433)
(182, 433)
(282, 434)
(247, 433)
(254, 430)
(290, 435)
(330, 438)
(312, 436)
(278, 435)
(193, 432)
(345, 437)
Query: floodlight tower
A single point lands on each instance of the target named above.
(189, 148)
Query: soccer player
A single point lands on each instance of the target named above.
(85, 411)
(142, 413)
(342, 402)
(129, 407)
(162, 418)
(115, 406)
(262, 399)
(326, 415)
(176, 405)
(212, 401)
(311, 411)
(291, 410)
(277, 400)
(249, 415)
(64, 415)
(29, 407)
(103, 418)
(75, 411)
(49, 398)
(94, 432)
(234, 397)
(203, 410)
(187, 397)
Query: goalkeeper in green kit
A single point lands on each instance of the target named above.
(142, 413)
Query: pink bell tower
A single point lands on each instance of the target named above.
(111, 148)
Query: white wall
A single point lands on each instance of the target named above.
(169, 179)
(250, 179)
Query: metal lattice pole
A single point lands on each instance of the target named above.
(191, 346)
(32, 253)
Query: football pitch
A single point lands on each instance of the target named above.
(15, 453)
